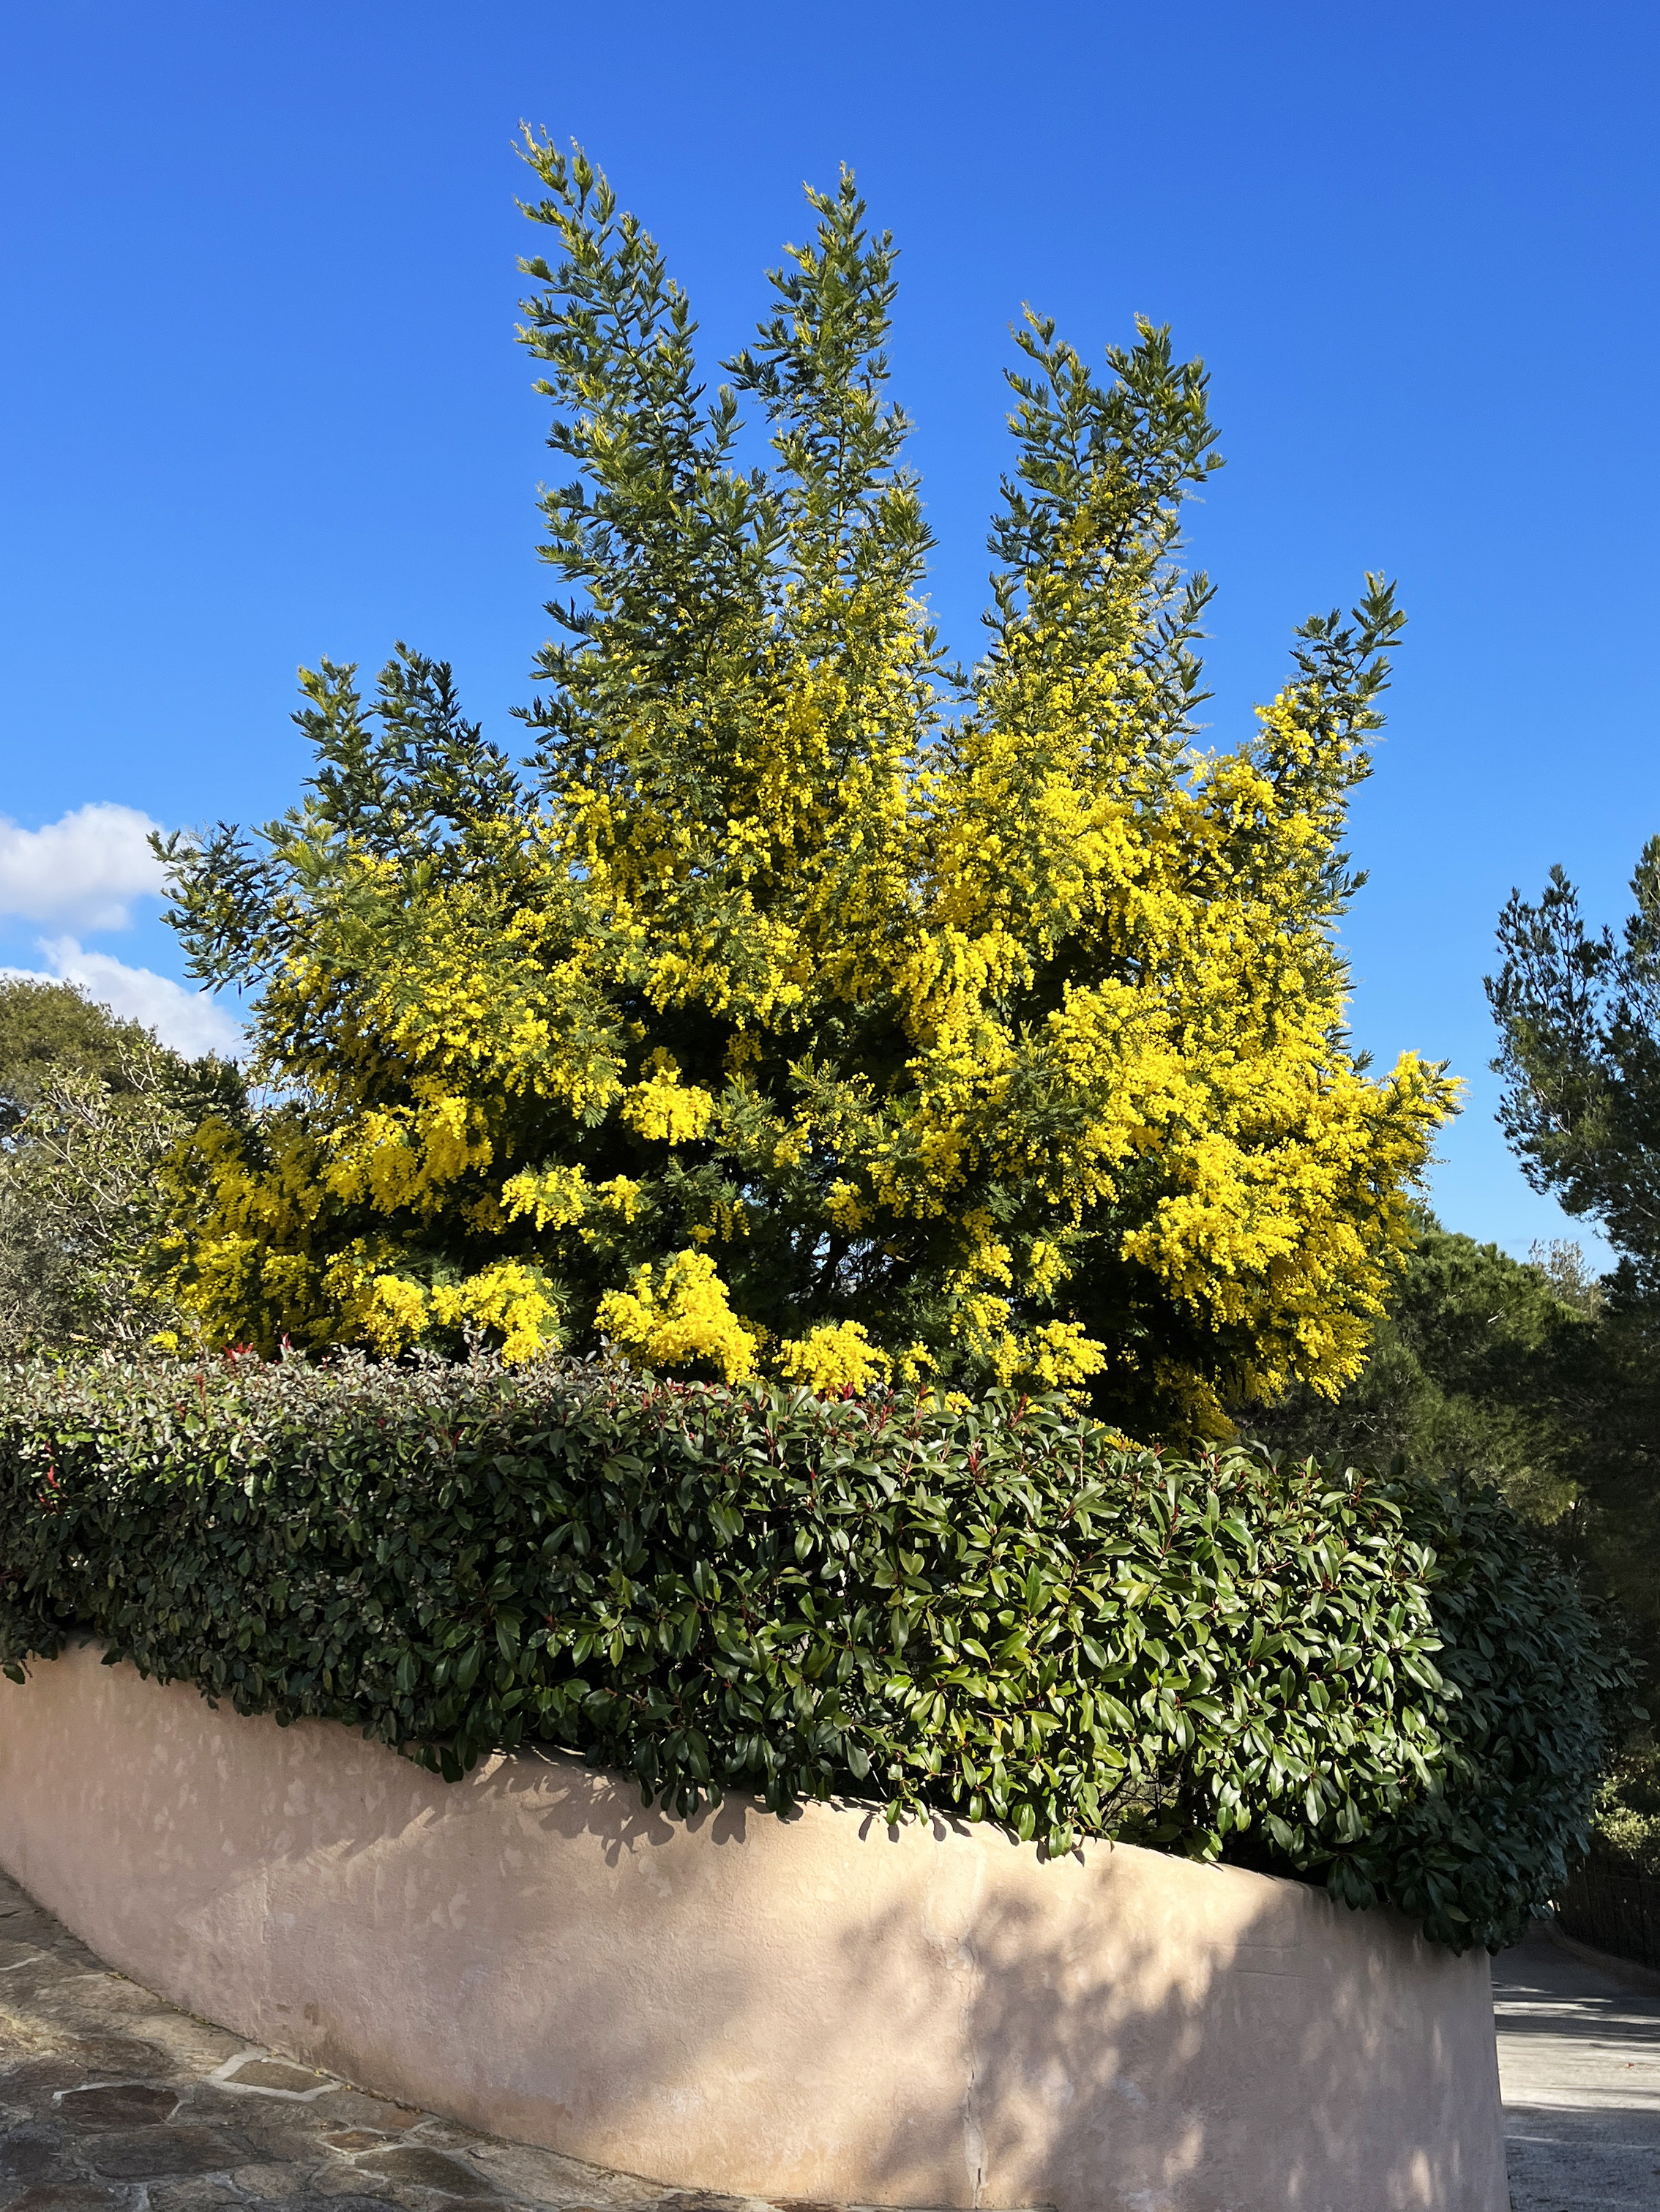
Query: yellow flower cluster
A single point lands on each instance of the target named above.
(833, 1359)
(552, 1197)
(677, 1315)
(665, 1109)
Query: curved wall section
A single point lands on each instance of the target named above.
(810, 2009)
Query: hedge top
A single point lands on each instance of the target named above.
(1000, 1610)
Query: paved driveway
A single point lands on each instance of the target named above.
(1579, 2063)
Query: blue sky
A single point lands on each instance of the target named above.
(261, 402)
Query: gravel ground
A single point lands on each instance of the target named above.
(1580, 2063)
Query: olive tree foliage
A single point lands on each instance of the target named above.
(802, 1008)
(91, 1108)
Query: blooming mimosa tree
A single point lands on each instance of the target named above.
(801, 1006)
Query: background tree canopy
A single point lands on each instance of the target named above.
(90, 1106)
(1578, 1015)
(804, 1006)
(1476, 1373)
(1578, 1019)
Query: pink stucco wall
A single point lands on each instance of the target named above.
(813, 2009)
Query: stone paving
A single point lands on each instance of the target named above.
(113, 2101)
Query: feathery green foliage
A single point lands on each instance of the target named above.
(803, 1009)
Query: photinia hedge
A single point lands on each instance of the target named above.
(1000, 1611)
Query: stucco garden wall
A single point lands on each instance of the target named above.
(815, 2010)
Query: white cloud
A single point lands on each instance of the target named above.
(187, 1020)
(81, 870)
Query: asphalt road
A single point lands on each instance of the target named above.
(1580, 2065)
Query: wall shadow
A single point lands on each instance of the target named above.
(812, 2008)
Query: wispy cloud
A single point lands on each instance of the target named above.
(82, 871)
(184, 1019)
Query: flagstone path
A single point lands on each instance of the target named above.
(113, 2101)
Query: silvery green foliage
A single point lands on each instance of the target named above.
(82, 1204)
(997, 1611)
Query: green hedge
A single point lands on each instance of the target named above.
(1000, 1611)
